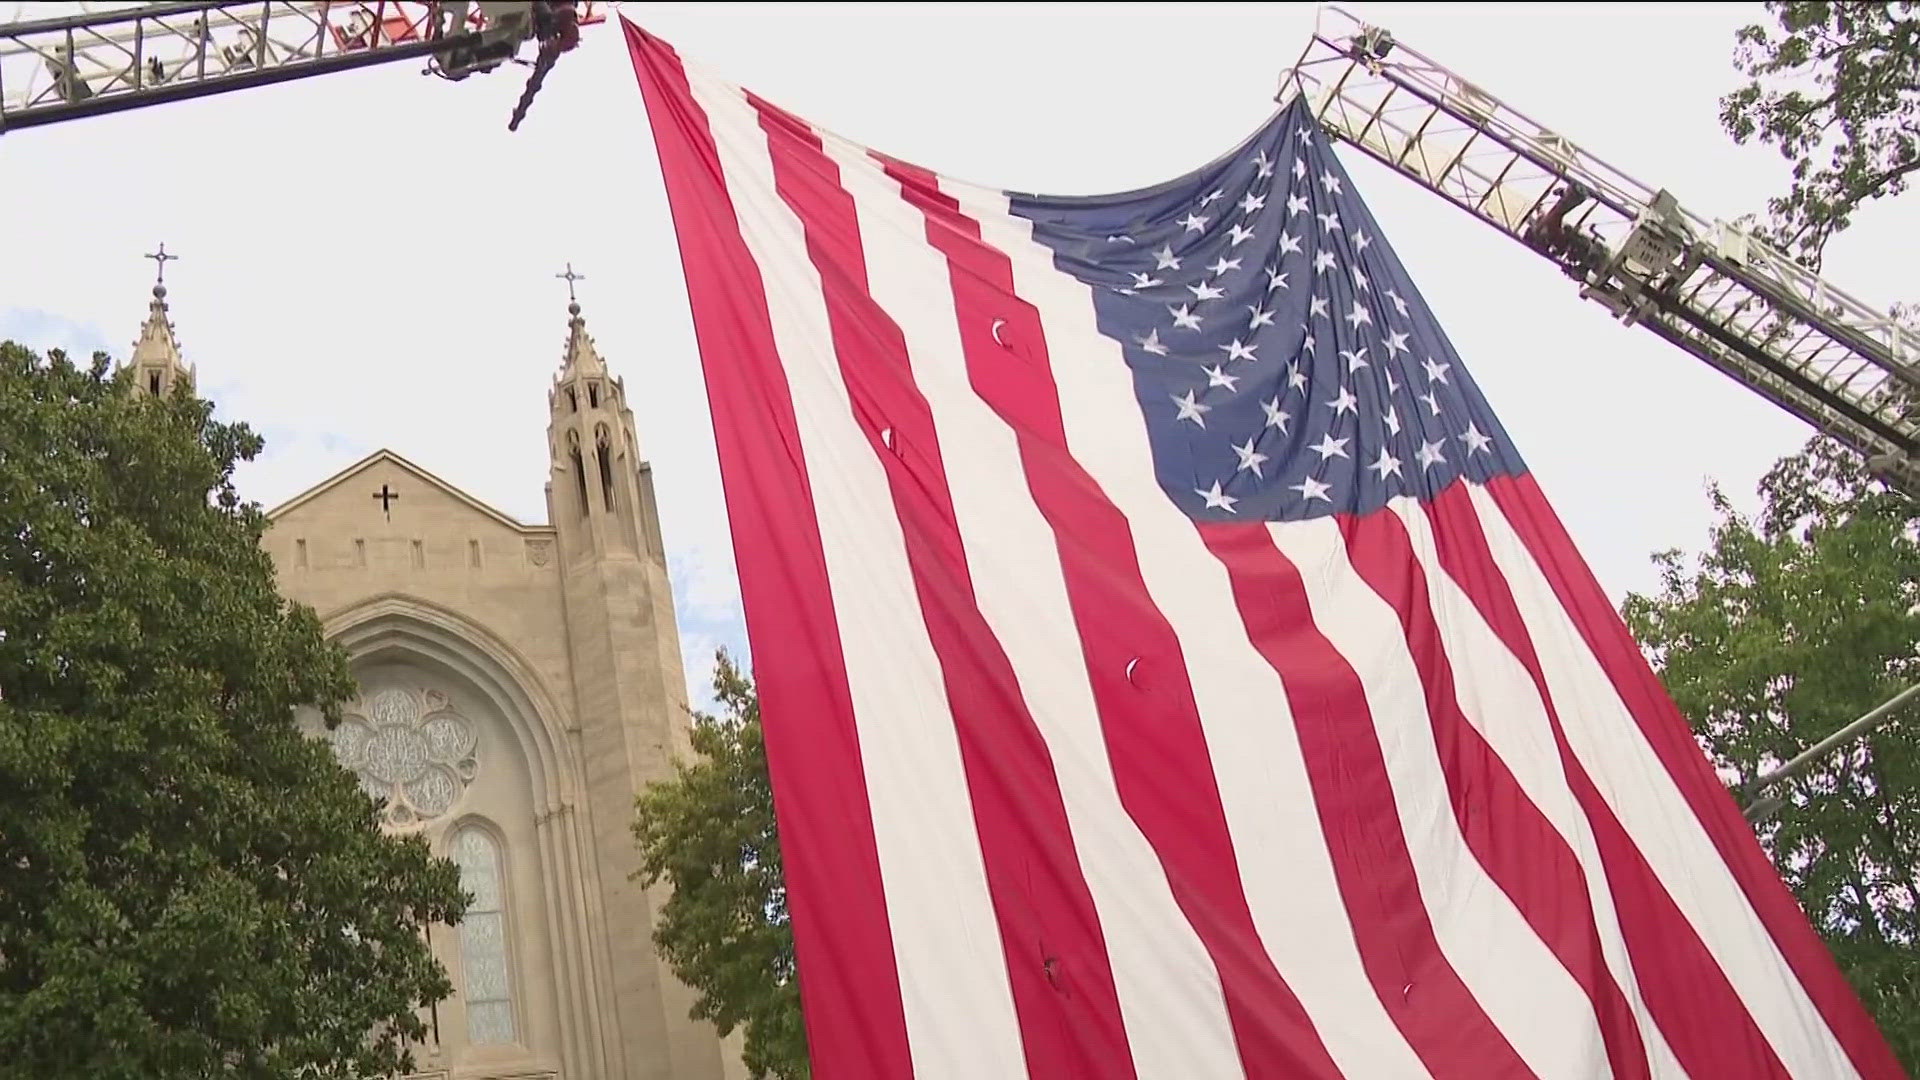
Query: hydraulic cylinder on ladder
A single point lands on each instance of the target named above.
(1708, 286)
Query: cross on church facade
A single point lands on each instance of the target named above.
(160, 260)
(386, 496)
(570, 277)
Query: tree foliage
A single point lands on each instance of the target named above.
(1835, 87)
(709, 833)
(1791, 624)
(189, 886)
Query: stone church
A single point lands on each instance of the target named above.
(519, 684)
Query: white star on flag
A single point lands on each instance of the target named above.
(1236, 350)
(1386, 464)
(1329, 447)
(1249, 457)
(1191, 409)
(1311, 489)
(1216, 500)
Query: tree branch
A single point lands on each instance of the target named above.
(1889, 176)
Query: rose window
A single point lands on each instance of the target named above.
(413, 750)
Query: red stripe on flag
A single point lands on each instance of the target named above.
(1353, 793)
(1152, 726)
(1056, 955)
(849, 986)
(1515, 843)
(1668, 733)
(1705, 1023)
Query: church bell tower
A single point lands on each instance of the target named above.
(629, 689)
(156, 362)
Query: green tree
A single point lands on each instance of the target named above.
(1794, 622)
(1835, 87)
(189, 886)
(709, 834)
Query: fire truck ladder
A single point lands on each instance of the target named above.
(111, 57)
(1708, 286)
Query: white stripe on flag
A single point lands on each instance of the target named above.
(1608, 742)
(1169, 992)
(1524, 989)
(1285, 869)
(953, 981)
(1499, 699)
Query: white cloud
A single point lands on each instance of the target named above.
(706, 601)
(696, 656)
(705, 584)
(42, 331)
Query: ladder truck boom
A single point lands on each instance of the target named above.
(107, 58)
(1710, 287)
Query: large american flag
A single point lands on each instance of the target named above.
(1169, 667)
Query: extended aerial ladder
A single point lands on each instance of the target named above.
(109, 57)
(1709, 286)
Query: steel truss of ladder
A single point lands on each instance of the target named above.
(113, 56)
(1708, 286)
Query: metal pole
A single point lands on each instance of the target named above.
(1761, 808)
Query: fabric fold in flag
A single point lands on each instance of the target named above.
(1169, 666)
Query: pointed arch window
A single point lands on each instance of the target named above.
(579, 469)
(487, 984)
(603, 449)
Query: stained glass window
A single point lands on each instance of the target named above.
(412, 750)
(483, 940)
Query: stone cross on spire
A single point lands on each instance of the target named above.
(160, 260)
(573, 302)
(581, 358)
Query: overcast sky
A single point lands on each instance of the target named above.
(368, 258)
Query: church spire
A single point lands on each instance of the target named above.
(581, 358)
(156, 359)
